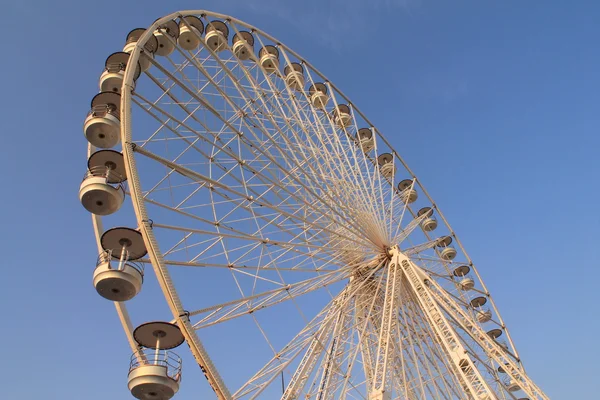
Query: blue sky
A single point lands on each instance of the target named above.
(494, 105)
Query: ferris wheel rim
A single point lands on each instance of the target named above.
(158, 262)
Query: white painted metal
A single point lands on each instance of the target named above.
(242, 169)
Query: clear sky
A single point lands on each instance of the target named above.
(494, 105)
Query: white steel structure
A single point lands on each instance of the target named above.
(270, 209)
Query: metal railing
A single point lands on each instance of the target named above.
(107, 257)
(160, 358)
(115, 67)
(112, 177)
(104, 109)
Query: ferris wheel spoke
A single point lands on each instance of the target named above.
(372, 340)
(241, 195)
(423, 346)
(320, 348)
(222, 235)
(309, 337)
(399, 233)
(176, 263)
(308, 340)
(233, 309)
(411, 251)
(202, 178)
(410, 227)
(328, 138)
(208, 76)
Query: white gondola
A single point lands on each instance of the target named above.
(122, 281)
(243, 45)
(191, 29)
(111, 79)
(269, 58)
(386, 164)
(429, 223)
(167, 35)
(155, 371)
(513, 386)
(408, 193)
(147, 52)
(102, 126)
(294, 76)
(341, 116)
(447, 252)
(467, 283)
(217, 34)
(484, 316)
(364, 138)
(101, 191)
(318, 95)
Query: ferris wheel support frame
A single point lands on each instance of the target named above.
(432, 302)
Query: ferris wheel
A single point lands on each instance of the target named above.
(298, 254)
